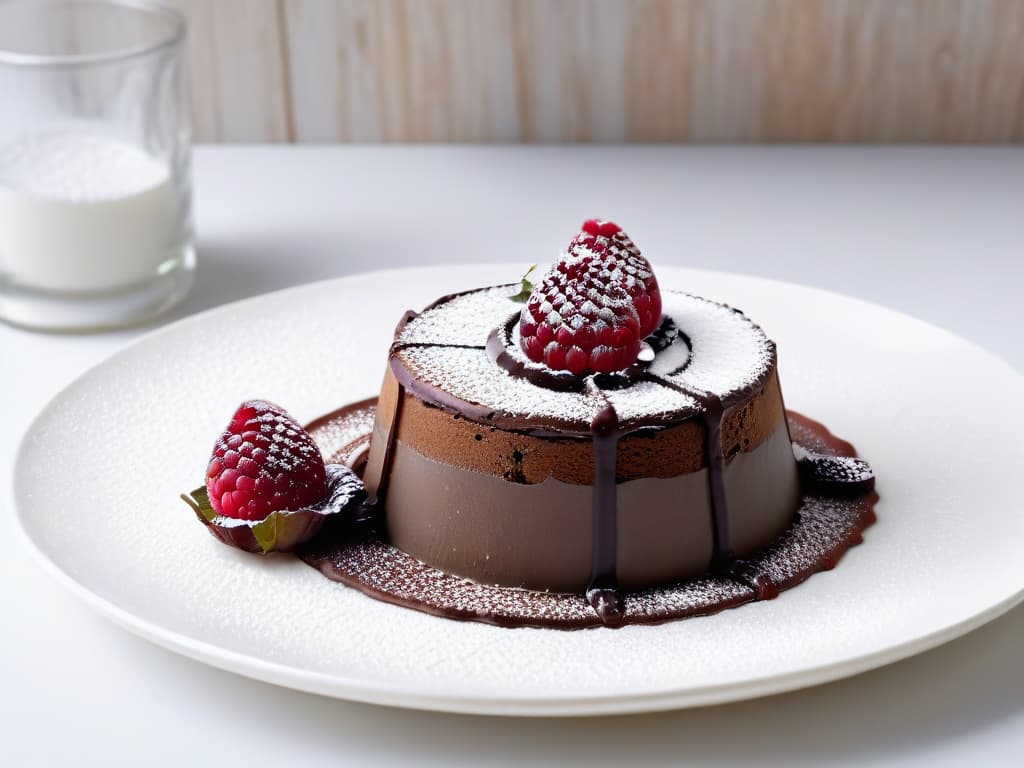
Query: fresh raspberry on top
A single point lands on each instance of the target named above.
(592, 310)
(628, 266)
(600, 227)
(264, 462)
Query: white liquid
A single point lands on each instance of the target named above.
(80, 211)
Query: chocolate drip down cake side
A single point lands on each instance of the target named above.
(588, 451)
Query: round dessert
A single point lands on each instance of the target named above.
(602, 436)
(490, 470)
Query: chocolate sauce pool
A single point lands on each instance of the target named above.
(837, 505)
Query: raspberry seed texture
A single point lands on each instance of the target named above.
(264, 462)
(593, 308)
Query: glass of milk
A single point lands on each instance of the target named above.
(95, 191)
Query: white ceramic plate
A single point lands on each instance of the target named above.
(98, 476)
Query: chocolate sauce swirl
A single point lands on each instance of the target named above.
(499, 344)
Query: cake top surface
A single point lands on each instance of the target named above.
(441, 355)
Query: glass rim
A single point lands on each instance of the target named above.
(174, 36)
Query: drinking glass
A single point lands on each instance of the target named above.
(95, 189)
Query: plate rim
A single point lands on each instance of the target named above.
(407, 695)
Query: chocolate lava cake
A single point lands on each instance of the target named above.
(586, 451)
(490, 476)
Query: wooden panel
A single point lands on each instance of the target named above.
(238, 76)
(928, 70)
(432, 70)
(599, 70)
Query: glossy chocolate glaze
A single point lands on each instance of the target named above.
(824, 528)
(603, 593)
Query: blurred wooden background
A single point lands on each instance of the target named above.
(607, 70)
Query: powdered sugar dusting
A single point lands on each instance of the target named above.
(809, 442)
(469, 375)
(692, 598)
(726, 353)
(390, 574)
(339, 439)
(729, 353)
(380, 569)
(649, 400)
(613, 294)
(465, 320)
(824, 530)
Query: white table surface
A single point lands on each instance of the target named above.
(935, 232)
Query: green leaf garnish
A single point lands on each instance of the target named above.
(526, 287)
(279, 526)
(199, 500)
